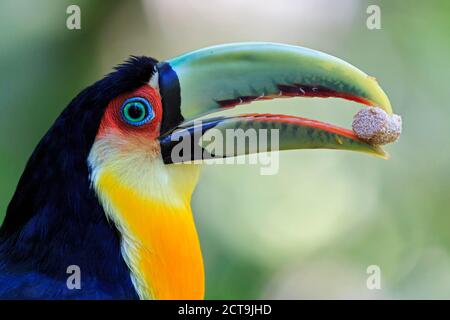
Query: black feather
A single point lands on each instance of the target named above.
(54, 218)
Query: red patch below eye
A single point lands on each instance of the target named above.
(112, 120)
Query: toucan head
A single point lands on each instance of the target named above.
(120, 137)
(154, 117)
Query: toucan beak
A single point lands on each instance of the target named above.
(209, 80)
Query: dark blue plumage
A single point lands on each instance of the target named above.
(54, 219)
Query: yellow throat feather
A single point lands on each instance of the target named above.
(149, 202)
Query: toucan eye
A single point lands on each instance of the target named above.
(137, 111)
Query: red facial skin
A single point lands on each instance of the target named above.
(112, 122)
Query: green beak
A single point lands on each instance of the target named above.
(212, 79)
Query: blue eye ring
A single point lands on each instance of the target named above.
(136, 111)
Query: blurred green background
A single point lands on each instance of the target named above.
(312, 230)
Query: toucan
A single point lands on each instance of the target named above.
(104, 190)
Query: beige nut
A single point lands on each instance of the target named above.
(377, 127)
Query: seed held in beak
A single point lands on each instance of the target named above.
(377, 127)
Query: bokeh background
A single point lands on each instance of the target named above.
(312, 230)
